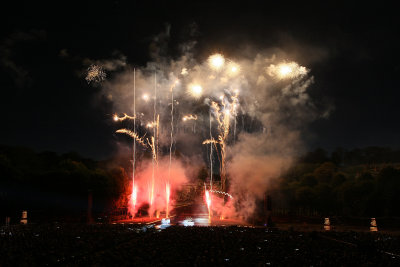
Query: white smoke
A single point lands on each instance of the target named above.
(274, 107)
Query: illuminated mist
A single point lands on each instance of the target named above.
(254, 110)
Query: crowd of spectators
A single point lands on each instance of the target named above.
(145, 245)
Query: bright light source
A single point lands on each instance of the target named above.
(195, 90)
(285, 70)
(216, 61)
(233, 68)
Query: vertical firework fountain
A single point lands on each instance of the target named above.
(168, 186)
(134, 188)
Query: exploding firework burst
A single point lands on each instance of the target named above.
(285, 70)
(95, 74)
(216, 61)
(195, 90)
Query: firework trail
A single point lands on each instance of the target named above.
(189, 117)
(170, 147)
(125, 117)
(211, 157)
(286, 70)
(222, 119)
(134, 135)
(134, 189)
(133, 199)
(152, 145)
(95, 74)
(234, 105)
(208, 201)
(220, 192)
(154, 142)
(167, 196)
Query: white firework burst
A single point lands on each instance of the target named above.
(95, 74)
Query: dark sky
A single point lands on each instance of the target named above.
(352, 51)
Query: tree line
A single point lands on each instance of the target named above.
(358, 182)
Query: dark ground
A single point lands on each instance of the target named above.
(128, 244)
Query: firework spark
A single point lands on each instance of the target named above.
(95, 74)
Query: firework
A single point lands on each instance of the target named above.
(184, 71)
(133, 199)
(145, 97)
(285, 70)
(208, 201)
(222, 193)
(195, 90)
(233, 69)
(125, 117)
(215, 85)
(134, 188)
(134, 135)
(223, 119)
(152, 145)
(168, 189)
(216, 61)
(189, 117)
(95, 74)
(167, 196)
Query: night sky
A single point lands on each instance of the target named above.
(46, 104)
